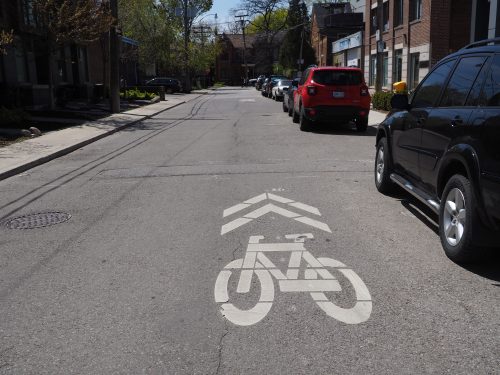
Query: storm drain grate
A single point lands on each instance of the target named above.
(39, 220)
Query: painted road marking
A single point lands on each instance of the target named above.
(318, 280)
(271, 207)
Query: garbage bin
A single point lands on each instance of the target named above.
(399, 87)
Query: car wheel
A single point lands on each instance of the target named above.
(295, 116)
(285, 109)
(458, 220)
(290, 110)
(305, 124)
(361, 124)
(383, 168)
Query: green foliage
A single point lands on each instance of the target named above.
(218, 84)
(382, 100)
(274, 21)
(136, 94)
(15, 117)
(297, 34)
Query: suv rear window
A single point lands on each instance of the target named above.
(337, 77)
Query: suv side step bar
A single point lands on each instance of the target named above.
(416, 192)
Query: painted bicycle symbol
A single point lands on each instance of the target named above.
(317, 279)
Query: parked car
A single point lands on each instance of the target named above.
(288, 97)
(271, 83)
(442, 145)
(171, 85)
(252, 81)
(260, 81)
(264, 86)
(281, 86)
(336, 95)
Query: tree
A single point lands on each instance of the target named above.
(70, 21)
(6, 38)
(297, 37)
(267, 21)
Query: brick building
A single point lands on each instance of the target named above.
(329, 23)
(76, 69)
(417, 34)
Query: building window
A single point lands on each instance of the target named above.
(28, 15)
(414, 70)
(385, 77)
(398, 12)
(385, 15)
(373, 69)
(2, 77)
(373, 21)
(21, 65)
(398, 65)
(61, 65)
(415, 10)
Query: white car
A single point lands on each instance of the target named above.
(278, 90)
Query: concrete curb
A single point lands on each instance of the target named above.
(44, 159)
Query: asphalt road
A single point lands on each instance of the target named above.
(126, 285)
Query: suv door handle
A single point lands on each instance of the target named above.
(457, 121)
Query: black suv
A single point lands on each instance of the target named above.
(442, 145)
(171, 85)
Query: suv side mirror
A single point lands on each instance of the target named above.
(399, 101)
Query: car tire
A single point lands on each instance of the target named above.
(459, 221)
(383, 168)
(285, 109)
(305, 124)
(295, 116)
(290, 110)
(361, 124)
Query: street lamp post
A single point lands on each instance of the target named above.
(242, 21)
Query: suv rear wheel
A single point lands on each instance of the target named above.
(458, 219)
(383, 168)
(361, 124)
(305, 124)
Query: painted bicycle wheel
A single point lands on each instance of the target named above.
(361, 310)
(229, 310)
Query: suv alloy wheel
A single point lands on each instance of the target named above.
(383, 169)
(457, 216)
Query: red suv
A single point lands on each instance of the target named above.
(331, 94)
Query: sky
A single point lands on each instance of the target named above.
(221, 7)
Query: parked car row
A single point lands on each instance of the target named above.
(322, 95)
(441, 144)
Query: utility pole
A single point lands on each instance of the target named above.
(186, 47)
(380, 44)
(242, 21)
(301, 47)
(114, 61)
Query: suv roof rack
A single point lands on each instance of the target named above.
(482, 43)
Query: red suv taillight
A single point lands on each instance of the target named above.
(363, 91)
(311, 90)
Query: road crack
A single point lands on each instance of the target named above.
(220, 347)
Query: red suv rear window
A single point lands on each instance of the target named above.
(337, 77)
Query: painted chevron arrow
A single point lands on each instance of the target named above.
(270, 207)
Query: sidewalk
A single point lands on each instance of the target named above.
(22, 156)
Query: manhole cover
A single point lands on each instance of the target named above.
(39, 220)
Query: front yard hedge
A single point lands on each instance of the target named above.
(382, 100)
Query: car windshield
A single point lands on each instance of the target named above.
(337, 77)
